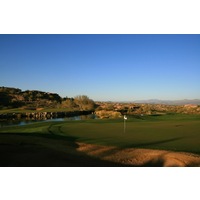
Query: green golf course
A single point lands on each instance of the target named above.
(174, 132)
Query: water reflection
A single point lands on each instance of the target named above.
(30, 121)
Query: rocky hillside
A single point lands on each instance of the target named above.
(34, 99)
(147, 109)
(14, 98)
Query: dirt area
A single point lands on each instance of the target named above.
(141, 157)
(36, 150)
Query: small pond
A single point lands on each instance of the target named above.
(22, 122)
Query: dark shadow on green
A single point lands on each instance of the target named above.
(153, 143)
(23, 152)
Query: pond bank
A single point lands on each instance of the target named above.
(41, 115)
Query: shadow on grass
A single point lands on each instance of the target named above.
(153, 143)
(54, 150)
(45, 150)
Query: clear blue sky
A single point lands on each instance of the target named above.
(103, 67)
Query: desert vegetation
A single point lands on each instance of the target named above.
(37, 100)
(148, 109)
(12, 98)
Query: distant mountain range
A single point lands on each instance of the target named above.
(170, 102)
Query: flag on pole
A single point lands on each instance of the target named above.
(125, 118)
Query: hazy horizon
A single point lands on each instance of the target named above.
(103, 67)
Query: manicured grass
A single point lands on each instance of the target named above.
(15, 110)
(168, 132)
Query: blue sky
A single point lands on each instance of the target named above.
(104, 67)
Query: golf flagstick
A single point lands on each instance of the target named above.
(125, 118)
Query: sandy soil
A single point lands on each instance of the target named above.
(141, 157)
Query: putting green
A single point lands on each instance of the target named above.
(177, 133)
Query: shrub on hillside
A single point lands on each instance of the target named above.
(108, 114)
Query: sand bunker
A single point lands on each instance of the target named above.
(141, 157)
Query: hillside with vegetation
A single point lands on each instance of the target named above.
(113, 110)
(38, 100)
(11, 98)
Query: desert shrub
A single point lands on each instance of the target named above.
(108, 114)
(84, 102)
